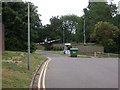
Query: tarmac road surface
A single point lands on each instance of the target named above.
(68, 72)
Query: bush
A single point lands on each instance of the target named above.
(112, 49)
(58, 48)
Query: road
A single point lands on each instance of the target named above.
(68, 72)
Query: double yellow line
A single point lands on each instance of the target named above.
(41, 80)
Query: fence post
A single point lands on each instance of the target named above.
(95, 54)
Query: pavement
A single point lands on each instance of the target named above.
(71, 72)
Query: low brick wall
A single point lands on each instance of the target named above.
(87, 49)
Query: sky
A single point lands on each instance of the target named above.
(49, 8)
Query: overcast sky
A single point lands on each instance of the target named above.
(49, 8)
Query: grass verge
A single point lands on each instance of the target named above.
(88, 55)
(14, 68)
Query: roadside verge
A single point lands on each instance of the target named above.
(38, 80)
(14, 69)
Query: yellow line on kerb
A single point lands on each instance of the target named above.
(43, 72)
(39, 80)
(49, 59)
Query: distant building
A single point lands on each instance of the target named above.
(118, 11)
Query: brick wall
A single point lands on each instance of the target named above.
(88, 49)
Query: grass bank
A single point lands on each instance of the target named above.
(81, 55)
(14, 69)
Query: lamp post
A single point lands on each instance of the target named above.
(84, 31)
(28, 36)
(63, 24)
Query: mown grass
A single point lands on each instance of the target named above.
(104, 55)
(107, 55)
(14, 69)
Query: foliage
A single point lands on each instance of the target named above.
(99, 18)
(116, 20)
(15, 17)
(50, 31)
(95, 12)
(70, 25)
(107, 35)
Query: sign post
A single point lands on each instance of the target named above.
(84, 33)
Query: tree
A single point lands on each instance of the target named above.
(107, 35)
(15, 20)
(98, 11)
(73, 28)
(55, 27)
(116, 20)
(69, 24)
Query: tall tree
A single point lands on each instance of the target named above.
(15, 20)
(69, 25)
(73, 28)
(98, 11)
(107, 35)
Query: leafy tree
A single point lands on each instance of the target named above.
(15, 20)
(73, 28)
(98, 11)
(69, 24)
(116, 20)
(55, 27)
(52, 30)
(107, 35)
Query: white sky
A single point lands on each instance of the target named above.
(49, 8)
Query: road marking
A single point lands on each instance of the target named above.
(39, 80)
(49, 59)
(43, 72)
